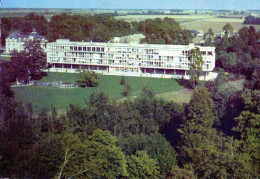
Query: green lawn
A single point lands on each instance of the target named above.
(44, 97)
(5, 58)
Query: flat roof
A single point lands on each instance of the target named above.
(109, 44)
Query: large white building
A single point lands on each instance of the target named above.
(15, 41)
(167, 61)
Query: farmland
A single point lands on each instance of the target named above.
(45, 96)
(198, 22)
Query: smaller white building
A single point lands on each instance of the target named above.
(15, 41)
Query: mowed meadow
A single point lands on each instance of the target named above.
(46, 96)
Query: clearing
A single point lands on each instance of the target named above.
(45, 96)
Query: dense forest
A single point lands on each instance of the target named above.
(215, 135)
(163, 31)
(97, 28)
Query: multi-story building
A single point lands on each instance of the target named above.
(15, 41)
(126, 59)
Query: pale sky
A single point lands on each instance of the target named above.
(135, 4)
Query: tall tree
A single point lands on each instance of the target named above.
(202, 147)
(28, 63)
(247, 158)
(228, 29)
(141, 165)
(196, 65)
(208, 38)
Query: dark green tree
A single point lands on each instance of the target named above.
(141, 165)
(122, 82)
(228, 29)
(196, 65)
(28, 63)
(246, 148)
(201, 143)
(88, 79)
(127, 90)
(156, 146)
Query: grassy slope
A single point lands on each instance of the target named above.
(44, 97)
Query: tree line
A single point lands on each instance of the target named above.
(98, 28)
(252, 20)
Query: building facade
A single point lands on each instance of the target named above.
(15, 41)
(167, 61)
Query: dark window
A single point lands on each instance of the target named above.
(98, 49)
(102, 50)
(93, 49)
(88, 49)
(84, 48)
(80, 48)
(203, 52)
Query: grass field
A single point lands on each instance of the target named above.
(182, 96)
(198, 22)
(44, 97)
(5, 58)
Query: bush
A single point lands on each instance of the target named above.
(122, 82)
(127, 90)
(88, 78)
(232, 77)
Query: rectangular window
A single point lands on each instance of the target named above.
(88, 49)
(84, 48)
(80, 48)
(203, 52)
(102, 50)
(93, 49)
(98, 49)
(210, 53)
(75, 48)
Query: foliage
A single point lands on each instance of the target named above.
(106, 158)
(181, 173)
(155, 145)
(122, 81)
(88, 79)
(247, 156)
(163, 31)
(29, 62)
(98, 28)
(228, 29)
(141, 165)
(208, 38)
(239, 53)
(24, 25)
(200, 142)
(94, 156)
(127, 90)
(147, 92)
(196, 64)
(252, 20)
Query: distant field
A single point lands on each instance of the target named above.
(138, 18)
(215, 25)
(197, 22)
(44, 97)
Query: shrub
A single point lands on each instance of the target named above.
(122, 82)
